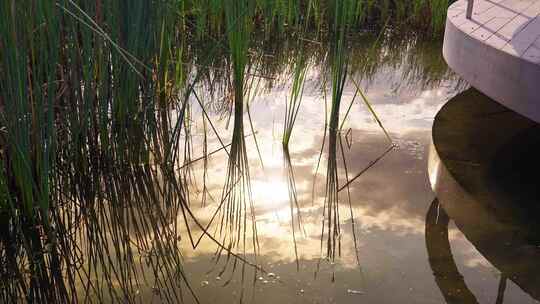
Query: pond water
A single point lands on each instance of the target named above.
(385, 213)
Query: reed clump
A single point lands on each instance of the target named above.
(87, 90)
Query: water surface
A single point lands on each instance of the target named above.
(383, 256)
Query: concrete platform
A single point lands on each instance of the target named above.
(498, 50)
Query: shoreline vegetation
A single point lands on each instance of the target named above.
(96, 106)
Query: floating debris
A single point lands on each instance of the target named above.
(218, 278)
(302, 291)
(265, 282)
(271, 275)
(355, 292)
(261, 278)
(204, 283)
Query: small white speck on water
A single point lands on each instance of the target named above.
(218, 278)
(354, 292)
(204, 283)
(265, 282)
(271, 275)
(261, 278)
(302, 291)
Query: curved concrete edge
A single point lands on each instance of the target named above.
(464, 124)
(511, 81)
(478, 223)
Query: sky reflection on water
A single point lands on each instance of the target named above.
(389, 203)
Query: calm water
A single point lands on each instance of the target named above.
(392, 203)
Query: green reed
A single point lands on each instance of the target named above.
(292, 105)
(237, 216)
(88, 87)
(341, 23)
(282, 16)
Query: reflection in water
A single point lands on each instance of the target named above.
(296, 221)
(378, 190)
(446, 273)
(500, 221)
(127, 245)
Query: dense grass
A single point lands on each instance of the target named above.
(81, 85)
(95, 105)
(429, 15)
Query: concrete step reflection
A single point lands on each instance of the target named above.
(483, 167)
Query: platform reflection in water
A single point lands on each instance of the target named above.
(484, 169)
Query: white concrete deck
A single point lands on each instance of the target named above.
(498, 50)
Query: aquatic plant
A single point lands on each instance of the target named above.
(236, 212)
(88, 87)
(96, 119)
(343, 16)
(282, 16)
(292, 105)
